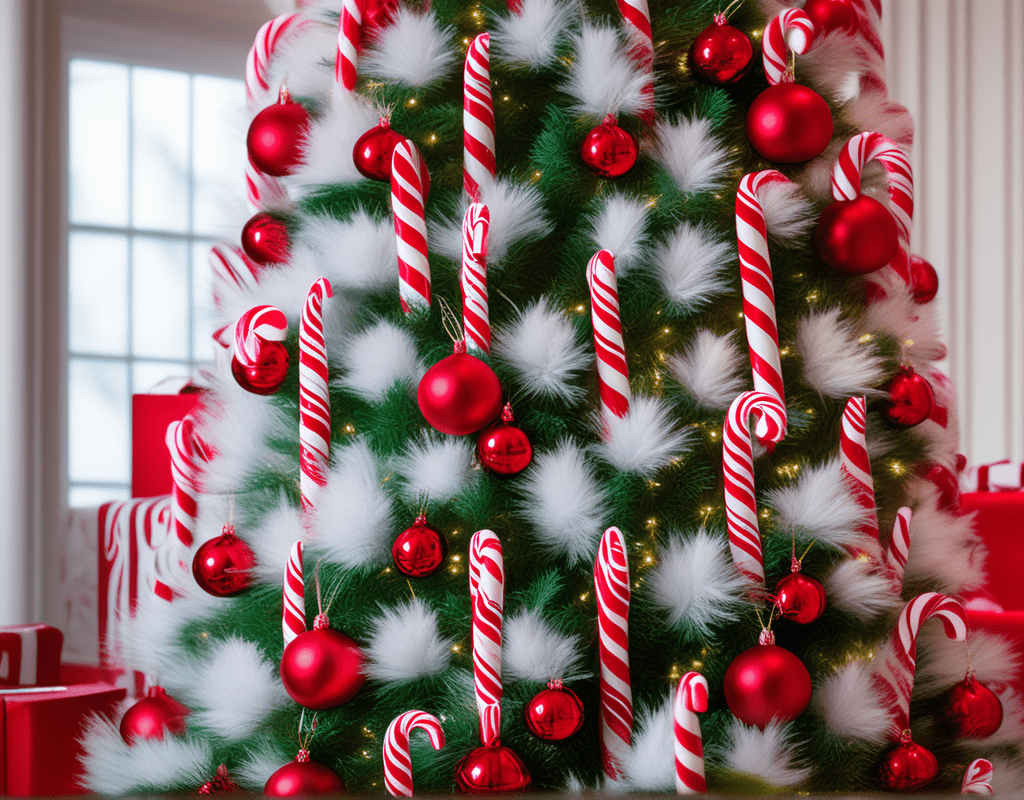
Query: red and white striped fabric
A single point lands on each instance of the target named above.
(612, 372)
(232, 270)
(314, 397)
(476, 321)
(407, 182)
(898, 551)
(478, 167)
(487, 595)
(637, 16)
(257, 65)
(265, 192)
(791, 30)
(894, 679)
(293, 608)
(738, 470)
(256, 326)
(611, 587)
(397, 759)
(691, 698)
(977, 777)
(853, 452)
(189, 453)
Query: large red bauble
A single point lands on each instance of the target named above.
(459, 394)
(924, 280)
(608, 150)
(504, 448)
(223, 565)
(911, 399)
(721, 53)
(856, 236)
(265, 239)
(789, 123)
(275, 137)
(303, 777)
(491, 769)
(554, 713)
(373, 151)
(153, 715)
(322, 668)
(800, 598)
(267, 374)
(767, 683)
(832, 15)
(907, 767)
(971, 710)
(419, 551)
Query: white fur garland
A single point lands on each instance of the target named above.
(604, 79)
(691, 265)
(532, 650)
(406, 644)
(643, 440)
(835, 363)
(414, 50)
(690, 153)
(850, 706)
(377, 358)
(710, 369)
(436, 468)
(619, 228)
(530, 38)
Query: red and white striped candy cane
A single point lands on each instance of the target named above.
(397, 758)
(978, 777)
(188, 455)
(898, 551)
(265, 192)
(232, 269)
(738, 471)
(257, 65)
(637, 16)
(256, 326)
(691, 697)
(314, 398)
(487, 596)
(350, 34)
(611, 587)
(410, 226)
(612, 372)
(853, 448)
(293, 612)
(478, 166)
(894, 679)
(476, 321)
(791, 30)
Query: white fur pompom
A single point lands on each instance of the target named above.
(379, 357)
(327, 150)
(644, 439)
(406, 644)
(944, 550)
(857, 588)
(414, 50)
(304, 59)
(261, 760)
(604, 78)
(650, 765)
(532, 650)
(710, 369)
(850, 706)
(540, 345)
(619, 228)
(912, 325)
(943, 662)
(356, 253)
(766, 754)
(697, 583)
(531, 36)
(690, 153)
(1007, 776)
(835, 364)
(563, 500)
(787, 214)
(437, 469)
(691, 265)
(272, 540)
(150, 637)
(834, 66)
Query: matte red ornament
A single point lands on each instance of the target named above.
(275, 136)
(911, 399)
(971, 710)
(555, 713)
(152, 716)
(419, 551)
(856, 236)
(832, 15)
(265, 239)
(767, 683)
(800, 598)
(608, 150)
(721, 53)
(377, 14)
(491, 769)
(907, 767)
(789, 123)
(504, 448)
(924, 280)
(322, 668)
(459, 394)
(223, 565)
(373, 151)
(303, 777)
(267, 374)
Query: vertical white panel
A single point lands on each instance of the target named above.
(1014, 223)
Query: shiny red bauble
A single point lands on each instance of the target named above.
(800, 598)
(373, 151)
(907, 767)
(971, 710)
(419, 551)
(789, 123)
(924, 280)
(265, 239)
(502, 447)
(155, 714)
(767, 683)
(856, 236)
(267, 374)
(303, 777)
(223, 565)
(911, 399)
(554, 713)
(608, 150)
(322, 668)
(721, 53)
(275, 137)
(459, 394)
(832, 15)
(491, 769)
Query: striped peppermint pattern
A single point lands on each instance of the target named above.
(479, 167)
(476, 322)
(188, 455)
(612, 372)
(257, 64)
(293, 613)
(853, 451)
(350, 33)
(397, 759)
(791, 30)
(407, 183)
(899, 549)
(691, 698)
(314, 399)
(255, 327)
(978, 777)
(487, 595)
(265, 192)
(232, 270)
(637, 16)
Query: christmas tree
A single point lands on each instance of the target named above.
(582, 400)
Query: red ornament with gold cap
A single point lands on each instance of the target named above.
(276, 134)
(907, 767)
(322, 668)
(798, 597)
(223, 565)
(153, 716)
(303, 777)
(502, 447)
(460, 394)
(970, 710)
(555, 713)
(721, 53)
(609, 151)
(767, 683)
(419, 550)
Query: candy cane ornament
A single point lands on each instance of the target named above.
(791, 30)
(612, 371)
(978, 777)
(232, 271)
(314, 398)
(691, 698)
(265, 192)
(479, 166)
(188, 455)
(637, 16)
(487, 595)
(257, 64)
(475, 313)
(407, 201)
(898, 551)
(611, 587)
(293, 613)
(397, 758)
(350, 33)
(254, 329)
(856, 465)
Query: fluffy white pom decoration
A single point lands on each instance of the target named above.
(619, 228)
(563, 500)
(356, 253)
(690, 153)
(377, 358)
(850, 706)
(643, 440)
(910, 323)
(327, 151)
(436, 469)
(271, 541)
(406, 644)
(710, 369)
(787, 213)
(691, 265)
(414, 50)
(604, 78)
(857, 588)
(833, 67)
(530, 38)
(532, 650)
(305, 56)
(942, 663)
(835, 363)
(944, 550)
(650, 764)
(766, 754)
(262, 759)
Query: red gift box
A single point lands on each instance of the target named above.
(30, 655)
(151, 414)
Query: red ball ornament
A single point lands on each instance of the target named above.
(800, 598)
(721, 53)
(911, 399)
(153, 715)
(924, 280)
(301, 777)
(267, 374)
(275, 136)
(419, 551)
(223, 565)
(767, 683)
(322, 668)
(907, 767)
(459, 394)
(856, 236)
(265, 239)
(373, 150)
(971, 710)
(789, 123)
(554, 713)
(491, 769)
(504, 448)
(608, 150)
(832, 15)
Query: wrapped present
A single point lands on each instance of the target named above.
(1000, 476)
(30, 655)
(151, 414)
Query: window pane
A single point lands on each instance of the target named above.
(93, 496)
(98, 421)
(218, 143)
(160, 298)
(98, 143)
(147, 374)
(160, 126)
(97, 293)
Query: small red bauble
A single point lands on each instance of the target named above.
(267, 374)
(223, 565)
(856, 236)
(767, 683)
(924, 280)
(907, 767)
(721, 53)
(265, 239)
(554, 713)
(459, 394)
(799, 598)
(832, 15)
(322, 668)
(275, 136)
(419, 551)
(911, 399)
(789, 123)
(153, 715)
(504, 448)
(608, 150)
(971, 710)
(303, 777)
(373, 150)
(491, 769)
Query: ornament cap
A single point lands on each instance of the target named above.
(610, 119)
(321, 621)
(283, 95)
(767, 637)
(156, 691)
(228, 530)
(459, 347)
(506, 413)
(906, 737)
(420, 521)
(555, 683)
(720, 18)
(302, 756)
(795, 566)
